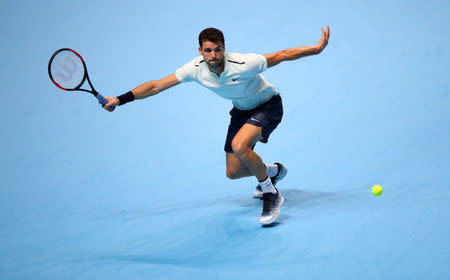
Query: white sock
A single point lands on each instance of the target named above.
(267, 186)
(271, 169)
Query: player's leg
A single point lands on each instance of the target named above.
(245, 130)
(236, 169)
(242, 144)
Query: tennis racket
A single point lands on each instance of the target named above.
(68, 71)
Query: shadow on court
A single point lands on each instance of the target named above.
(294, 198)
(307, 199)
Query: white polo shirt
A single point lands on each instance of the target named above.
(241, 80)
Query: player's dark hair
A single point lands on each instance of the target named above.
(211, 34)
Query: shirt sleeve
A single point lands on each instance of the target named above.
(186, 73)
(257, 63)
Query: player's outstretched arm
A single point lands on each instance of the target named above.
(296, 53)
(142, 91)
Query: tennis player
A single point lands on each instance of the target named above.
(257, 106)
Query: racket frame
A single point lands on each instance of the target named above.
(100, 97)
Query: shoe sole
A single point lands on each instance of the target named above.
(271, 221)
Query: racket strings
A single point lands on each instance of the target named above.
(67, 70)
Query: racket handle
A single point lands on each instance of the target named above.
(102, 99)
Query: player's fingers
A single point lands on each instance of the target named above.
(110, 107)
(106, 106)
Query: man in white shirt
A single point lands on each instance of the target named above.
(257, 106)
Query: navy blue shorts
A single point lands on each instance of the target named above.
(267, 115)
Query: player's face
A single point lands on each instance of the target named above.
(213, 53)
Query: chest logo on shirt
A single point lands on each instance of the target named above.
(234, 79)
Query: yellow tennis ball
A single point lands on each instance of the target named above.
(377, 190)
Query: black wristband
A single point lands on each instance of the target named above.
(125, 98)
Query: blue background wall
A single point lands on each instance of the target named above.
(142, 193)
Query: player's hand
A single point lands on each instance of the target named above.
(323, 42)
(113, 102)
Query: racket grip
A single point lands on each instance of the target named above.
(102, 99)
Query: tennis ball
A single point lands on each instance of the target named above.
(377, 190)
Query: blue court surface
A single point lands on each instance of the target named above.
(141, 193)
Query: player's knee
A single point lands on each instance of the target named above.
(239, 149)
